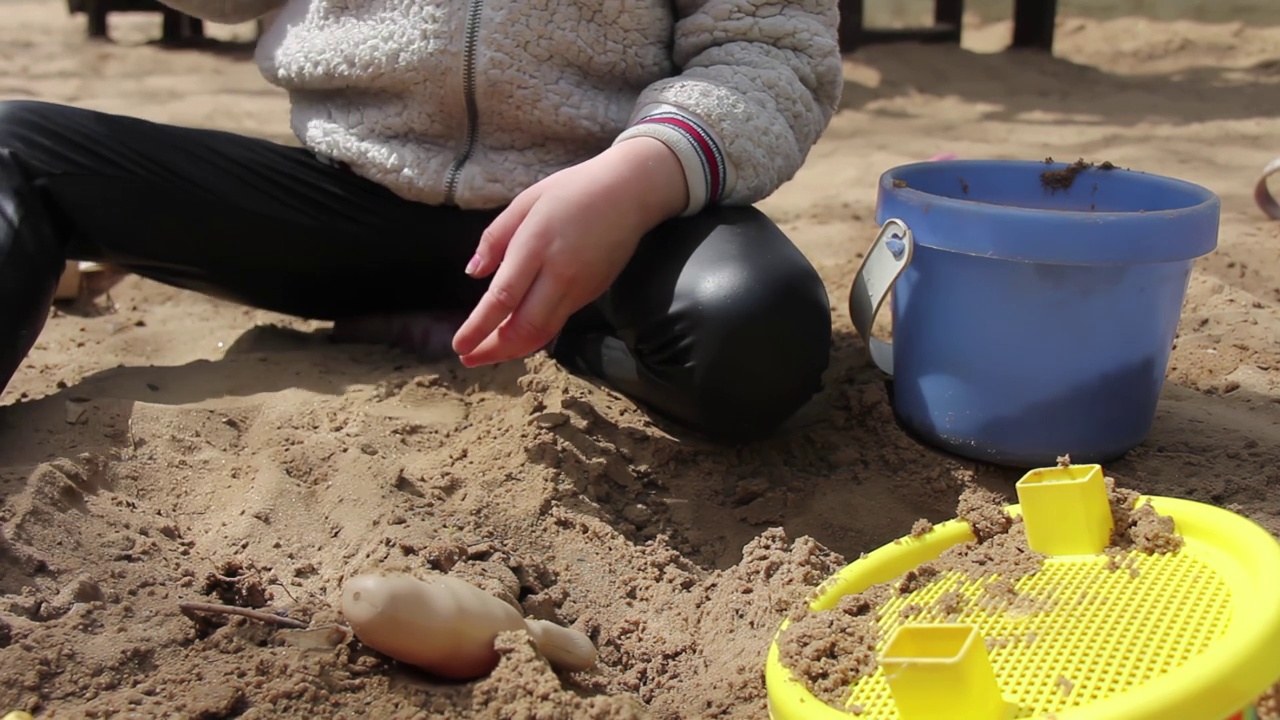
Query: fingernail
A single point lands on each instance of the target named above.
(473, 264)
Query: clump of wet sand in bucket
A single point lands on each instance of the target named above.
(1055, 180)
(832, 649)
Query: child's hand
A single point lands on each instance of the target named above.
(562, 242)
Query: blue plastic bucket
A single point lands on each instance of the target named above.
(1032, 317)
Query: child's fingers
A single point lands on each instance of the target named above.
(533, 324)
(504, 295)
(507, 290)
(497, 237)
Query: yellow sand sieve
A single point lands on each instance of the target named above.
(1192, 634)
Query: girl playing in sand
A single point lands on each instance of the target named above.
(496, 175)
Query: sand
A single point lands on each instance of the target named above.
(161, 447)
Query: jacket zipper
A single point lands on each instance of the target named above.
(471, 39)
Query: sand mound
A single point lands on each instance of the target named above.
(160, 447)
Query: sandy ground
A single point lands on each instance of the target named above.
(902, 12)
(160, 446)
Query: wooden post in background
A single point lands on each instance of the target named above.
(1033, 22)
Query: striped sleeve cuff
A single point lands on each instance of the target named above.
(705, 167)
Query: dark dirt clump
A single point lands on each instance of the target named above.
(1055, 180)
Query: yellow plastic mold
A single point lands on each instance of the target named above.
(933, 669)
(1193, 634)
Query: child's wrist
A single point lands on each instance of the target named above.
(658, 177)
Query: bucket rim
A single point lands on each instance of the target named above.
(1207, 198)
(1030, 234)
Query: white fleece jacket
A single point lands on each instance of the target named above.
(469, 102)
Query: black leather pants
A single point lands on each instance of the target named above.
(718, 323)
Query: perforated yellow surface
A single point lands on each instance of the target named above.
(1194, 634)
(1076, 632)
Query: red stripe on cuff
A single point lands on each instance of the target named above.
(712, 163)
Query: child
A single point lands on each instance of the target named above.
(574, 175)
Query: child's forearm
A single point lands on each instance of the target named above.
(225, 11)
(760, 81)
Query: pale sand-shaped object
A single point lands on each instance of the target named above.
(447, 626)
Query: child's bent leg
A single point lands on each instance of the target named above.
(32, 259)
(719, 323)
(240, 218)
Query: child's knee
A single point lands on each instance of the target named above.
(728, 323)
(763, 335)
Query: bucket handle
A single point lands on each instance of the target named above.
(887, 257)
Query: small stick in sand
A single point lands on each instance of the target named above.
(200, 607)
